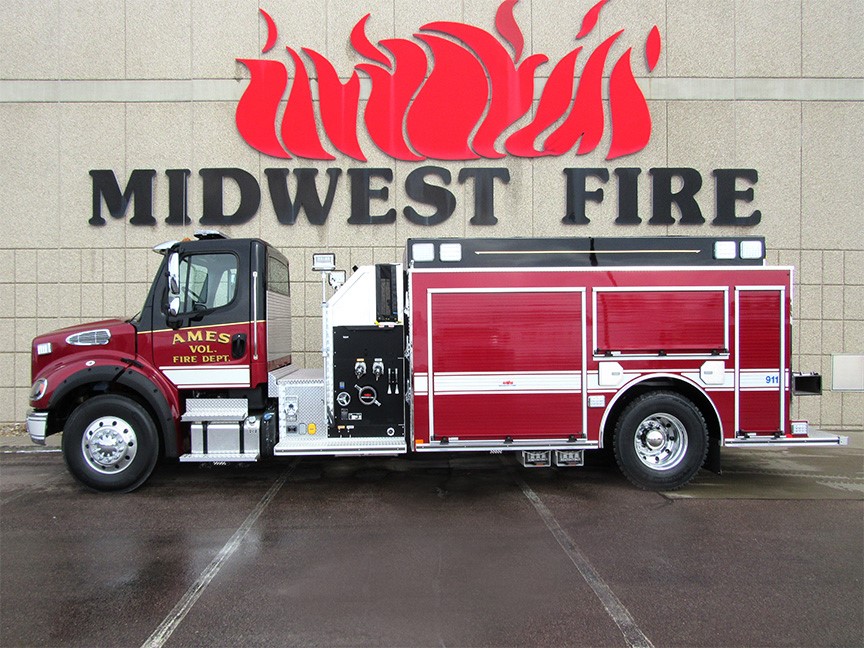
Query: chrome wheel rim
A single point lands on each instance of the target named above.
(661, 441)
(109, 445)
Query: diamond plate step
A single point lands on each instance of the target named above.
(213, 410)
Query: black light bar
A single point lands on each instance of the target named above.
(585, 252)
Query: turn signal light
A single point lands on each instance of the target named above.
(37, 391)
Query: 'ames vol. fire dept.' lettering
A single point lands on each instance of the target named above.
(184, 337)
(201, 349)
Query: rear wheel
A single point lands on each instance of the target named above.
(110, 443)
(661, 441)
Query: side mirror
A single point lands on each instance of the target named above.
(173, 284)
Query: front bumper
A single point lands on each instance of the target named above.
(37, 425)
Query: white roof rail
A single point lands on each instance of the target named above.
(209, 234)
(162, 248)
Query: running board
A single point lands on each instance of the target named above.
(219, 457)
(498, 446)
(815, 438)
(340, 446)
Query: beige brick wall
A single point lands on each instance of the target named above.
(775, 85)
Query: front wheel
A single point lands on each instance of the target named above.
(661, 441)
(110, 443)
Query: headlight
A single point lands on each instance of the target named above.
(90, 338)
(37, 391)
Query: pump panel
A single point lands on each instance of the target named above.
(368, 381)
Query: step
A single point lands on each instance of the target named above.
(215, 410)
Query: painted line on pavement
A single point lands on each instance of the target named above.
(633, 635)
(768, 472)
(176, 615)
(45, 451)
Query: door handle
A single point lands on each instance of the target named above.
(238, 345)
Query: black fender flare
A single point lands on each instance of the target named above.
(131, 381)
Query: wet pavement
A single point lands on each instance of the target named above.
(435, 551)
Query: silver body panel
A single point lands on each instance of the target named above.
(221, 430)
(303, 425)
(302, 412)
(278, 325)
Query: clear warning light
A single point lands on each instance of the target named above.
(424, 252)
(450, 251)
(752, 250)
(725, 250)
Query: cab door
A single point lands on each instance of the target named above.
(207, 344)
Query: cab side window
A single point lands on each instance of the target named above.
(207, 281)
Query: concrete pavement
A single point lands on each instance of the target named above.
(455, 550)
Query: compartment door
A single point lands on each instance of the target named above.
(506, 362)
(760, 362)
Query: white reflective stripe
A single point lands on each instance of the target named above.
(421, 384)
(593, 379)
(507, 382)
(764, 378)
(218, 376)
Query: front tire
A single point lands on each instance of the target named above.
(661, 441)
(110, 443)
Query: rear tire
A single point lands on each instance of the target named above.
(110, 443)
(660, 441)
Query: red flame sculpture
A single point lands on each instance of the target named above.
(454, 103)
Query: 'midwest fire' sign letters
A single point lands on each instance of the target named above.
(455, 92)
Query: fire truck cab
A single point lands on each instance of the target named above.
(663, 349)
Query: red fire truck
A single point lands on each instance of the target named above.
(662, 349)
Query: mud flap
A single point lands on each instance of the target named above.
(712, 461)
